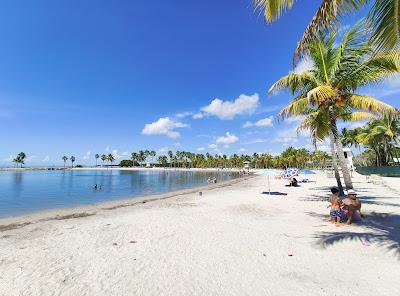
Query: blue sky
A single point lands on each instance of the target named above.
(85, 77)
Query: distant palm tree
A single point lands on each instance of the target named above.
(110, 158)
(142, 157)
(72, 158)
(64, 158)
(134, 157)
(170, 155)
(104, 158)
(20, 159)
(152, 154)
(96, 157)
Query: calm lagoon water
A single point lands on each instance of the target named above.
(29, 191)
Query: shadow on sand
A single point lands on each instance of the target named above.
(383, 229)
(273, 193)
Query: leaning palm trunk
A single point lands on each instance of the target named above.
(339, 147)
(334, 163)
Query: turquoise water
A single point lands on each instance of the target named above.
(30, 191)
(385, 171)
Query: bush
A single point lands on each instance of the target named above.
(126, 163)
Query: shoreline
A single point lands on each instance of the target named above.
(93, 209)
(121, 169)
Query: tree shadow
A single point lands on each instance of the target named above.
(383, 229)
(273, 193)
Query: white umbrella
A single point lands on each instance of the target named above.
(268, 173)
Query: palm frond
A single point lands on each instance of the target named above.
(273, 9)
(360, 116)
(296, 107)
(362, 102)
(325, 18)
(295, 82)
(321, 94)
(385, 19)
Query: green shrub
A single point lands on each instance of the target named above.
(126, 163)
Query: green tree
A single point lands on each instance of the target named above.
(72, 159)
(110, 158)
(329, 88)
(64, 158)
(383, 18)
(103, 158)
(96, 157)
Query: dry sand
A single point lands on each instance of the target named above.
(231, 241)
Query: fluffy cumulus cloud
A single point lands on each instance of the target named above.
(163, 126)
(260, 123)
(305, 64)
(227, 110)
(227, 139)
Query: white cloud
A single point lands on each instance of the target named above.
(87, 155)
(163, 126)
(227, 139)
(183, 114)
(255, 141)
(295, 119)
(198, 115)
(46, 159)
(163, 150)
(305, 64)
(125, 153)
(260, 123)
(289, 137)
(387, 87)
(200, 149)
(213, 146)
(115, 154)
(229, 109)
(242, 150)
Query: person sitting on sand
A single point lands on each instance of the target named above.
(293, 182)
(336, 203)
(352, 206)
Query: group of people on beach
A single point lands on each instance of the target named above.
(344, 210)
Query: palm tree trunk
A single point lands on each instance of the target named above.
(339, 147)
(334, 163)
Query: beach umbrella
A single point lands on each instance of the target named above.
(290, 172)
(268, 173)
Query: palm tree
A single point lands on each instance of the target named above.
(326, 93)
(64, 158)
(153, 154)
(383, 18)
(103, 158)
(170, 155)
(72, 158)
(96, 157)
(134, 157)
(110, 158)
(162, 160)
(142, 156)
(20, 159)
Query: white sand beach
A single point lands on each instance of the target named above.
(232, 240)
